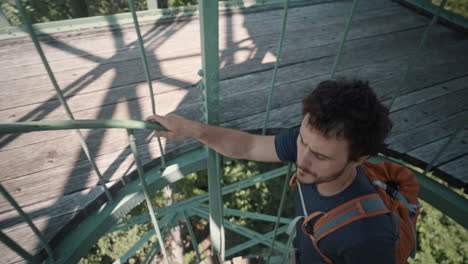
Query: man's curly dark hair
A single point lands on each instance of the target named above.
(349, 108)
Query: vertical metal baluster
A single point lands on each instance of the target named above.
(343, 39)
(289, 245)
(60, 96)
(18, 249)
(279, 49)
(192, 235)
(445, 146)
(27, 219)
(280, 210)
(416, 54)
(131, 4)
(209, 27)
(133, 147)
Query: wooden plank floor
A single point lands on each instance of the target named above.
(101, 74)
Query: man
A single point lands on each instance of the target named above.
(344, 123)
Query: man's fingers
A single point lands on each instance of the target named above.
(165, 134)
(167, 122)
(161, 120)
(155, 118)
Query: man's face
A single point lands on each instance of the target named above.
(320, 158)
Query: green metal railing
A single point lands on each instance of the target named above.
(416, 53)
(75, 245)
(28, 220)
(131, 4)
(59, 93)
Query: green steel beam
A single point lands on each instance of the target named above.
(444, 199)
(134, 220)
(141, 175)
(288, 245)
(343, 39)
(123, 259)
(209, 37)
(79, 240)
(18, 249)
(448, 15)
(445, 146)
(131, 4)
(253, 242)
(416, 54)
(439, 196)
(193, 237)
(280, 209)
(256, 216)
(202, 211)
(165, 221)
(151, 254)
(279, 49)
(195, 201)
(30, 126)
(28, 220)
(155, 247)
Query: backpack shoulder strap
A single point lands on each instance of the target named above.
(353, 210)
(359, 208)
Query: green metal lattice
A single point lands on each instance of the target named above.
(76, 244)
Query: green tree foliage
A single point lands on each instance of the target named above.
(456, 6)
(38, 11)
(53, 10)
(441, 240)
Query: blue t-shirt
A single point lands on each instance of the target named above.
(366, 241)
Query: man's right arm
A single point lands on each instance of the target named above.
(228, 142)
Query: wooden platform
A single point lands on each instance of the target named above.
(101, 74)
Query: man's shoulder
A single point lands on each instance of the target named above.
(285, 144)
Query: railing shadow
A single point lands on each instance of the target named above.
(157, 35)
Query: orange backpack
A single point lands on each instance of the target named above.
(397, 193)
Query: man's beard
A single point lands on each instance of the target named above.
(318, 179)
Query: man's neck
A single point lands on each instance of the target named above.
(339, 184)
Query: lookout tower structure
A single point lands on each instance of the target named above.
(82, 87)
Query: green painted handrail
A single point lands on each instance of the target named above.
(30, 126)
